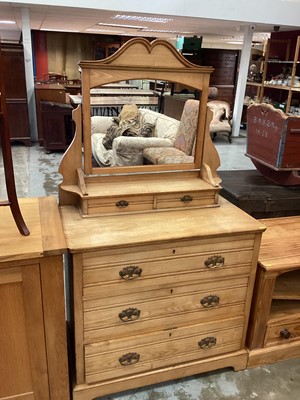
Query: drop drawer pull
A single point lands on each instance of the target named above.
(186, 199)
(130, 314)
(122, 204)
(214, 262)
(129, 359)
(207, 342)
(210, 301)
(285, 333)
(130, 272)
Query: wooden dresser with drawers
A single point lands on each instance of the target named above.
(162, 269)
(160, 295)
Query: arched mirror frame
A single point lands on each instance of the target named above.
(139, 59)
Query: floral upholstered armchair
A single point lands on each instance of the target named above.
(184, 145)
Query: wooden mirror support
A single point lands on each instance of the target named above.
(138, 59)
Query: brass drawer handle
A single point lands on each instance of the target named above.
(130, 314)
(207, 342)
(129, 359)
(186, 199)
(130, 272)
(214, 262)
(285, 333)
(210, 301)
(122, 204)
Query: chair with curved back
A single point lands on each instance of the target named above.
(221, 122)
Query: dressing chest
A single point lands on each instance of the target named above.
(161, 289)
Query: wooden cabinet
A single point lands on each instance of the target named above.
(151, 305)
(32, 314)
(55, 93)
(13, 71)
(274, 329)
(225, 63)
(104, 50)
(58, 127)
(280, 71)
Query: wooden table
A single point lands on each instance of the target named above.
(33, 344)
(121, 92)
(102, 105)
(274, 331)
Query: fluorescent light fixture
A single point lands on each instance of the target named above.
(142, 18)
(235, 42)
(7, 22)
(166, 31)
(103, 30)
(59, 30)
(122, 26)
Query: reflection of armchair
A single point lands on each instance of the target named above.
(127, 150)
(183, 149)
(221, 118)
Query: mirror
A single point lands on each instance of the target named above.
(133, 121)
(140, 60)
(151, 63)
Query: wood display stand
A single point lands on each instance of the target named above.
(33, 343)
(275, 315)
(161, 288)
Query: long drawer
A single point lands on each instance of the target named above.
(125, 272)
(108, 359)
(180, 306)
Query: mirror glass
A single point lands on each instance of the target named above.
(135, 126)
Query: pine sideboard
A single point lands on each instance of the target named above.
(274, 329)
(33, 343)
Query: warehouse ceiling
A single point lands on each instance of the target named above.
(66, 19)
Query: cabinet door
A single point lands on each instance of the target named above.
(23, 368)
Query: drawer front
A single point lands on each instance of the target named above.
(282, 332)
(120, 204)
(160, 310)
(143, 276)
(116, 358)
(126, 271)
(179, 200)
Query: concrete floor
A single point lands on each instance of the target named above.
(36, 175)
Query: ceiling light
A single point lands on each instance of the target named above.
(7, 22)
(103, 30)
(142, 18)
(59, 30)
(122, 26)
(164, 31)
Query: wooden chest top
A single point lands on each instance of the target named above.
(280, 246)
(154, 227)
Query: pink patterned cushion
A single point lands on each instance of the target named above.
(167, 155)
(187, 130)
